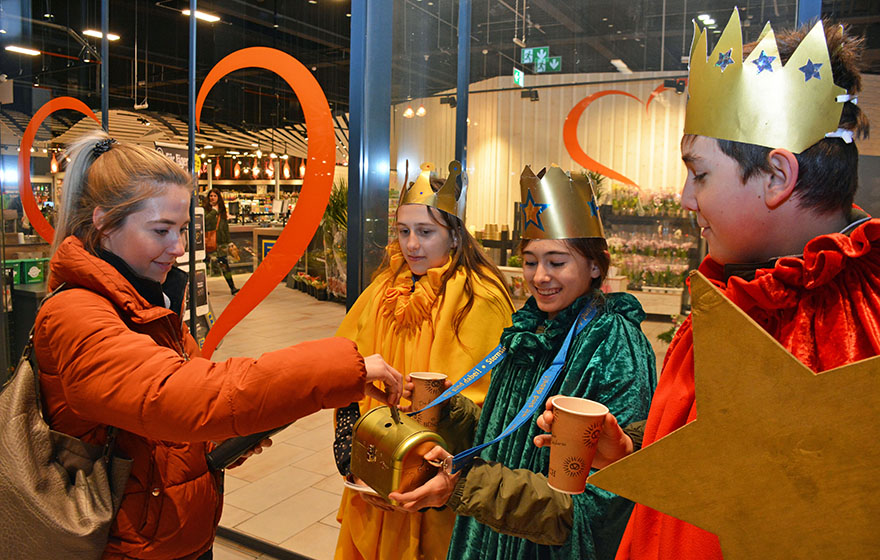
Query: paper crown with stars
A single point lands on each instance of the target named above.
(444, 199)
(758, 100)
(558, 206)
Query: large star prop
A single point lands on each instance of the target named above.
(780, 462)
(532, 213)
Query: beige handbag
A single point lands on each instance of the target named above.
(59, 495)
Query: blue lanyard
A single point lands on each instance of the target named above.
(532, 403)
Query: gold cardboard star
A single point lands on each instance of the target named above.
(781, 462)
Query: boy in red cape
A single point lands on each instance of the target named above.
(772, 187)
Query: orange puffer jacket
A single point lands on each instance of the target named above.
(109, 358)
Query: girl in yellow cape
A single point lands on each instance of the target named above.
(436, 304)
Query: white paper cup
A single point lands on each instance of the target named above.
(577, 424)
(427, 386)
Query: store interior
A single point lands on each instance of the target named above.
(595, 87)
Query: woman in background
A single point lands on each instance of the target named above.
(436, 304)
(215, 220)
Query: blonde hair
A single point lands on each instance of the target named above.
(116, 177)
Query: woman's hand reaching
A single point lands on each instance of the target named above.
(379, 370)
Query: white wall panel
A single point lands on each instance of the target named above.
(507, 132)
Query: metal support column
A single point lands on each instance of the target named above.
(808, 11)
(370, 133)
(191, 151)
(105, 65)
(464, 80)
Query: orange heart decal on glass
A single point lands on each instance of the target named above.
(316, 185)
(28, 201)
(569, 133)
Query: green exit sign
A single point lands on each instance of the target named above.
(550, 64)
(518, 77)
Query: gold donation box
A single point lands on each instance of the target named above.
(389, 456)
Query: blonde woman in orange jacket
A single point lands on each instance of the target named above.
(113, 351)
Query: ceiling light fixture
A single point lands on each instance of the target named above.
(704, 17)
(409, 113)
(621, 66)
(421, 112)
(22, 50)
(211, 18)
(99, 35)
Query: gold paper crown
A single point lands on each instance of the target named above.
(757, 100)
(444, 199)
(557, 206)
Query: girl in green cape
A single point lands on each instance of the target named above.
(506, 509)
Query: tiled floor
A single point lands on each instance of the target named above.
(289, 494)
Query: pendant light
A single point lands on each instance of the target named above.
(53, 165)
(217, 169)
(285, 171)
(236, 171)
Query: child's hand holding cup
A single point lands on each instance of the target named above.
(427, 386)
(577, 424)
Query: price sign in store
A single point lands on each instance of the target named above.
(518, 77)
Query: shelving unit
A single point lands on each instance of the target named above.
(652, 255)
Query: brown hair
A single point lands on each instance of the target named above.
(467, 255)
(592, 248)
(116, 177)
(221, 205)
(828, 170)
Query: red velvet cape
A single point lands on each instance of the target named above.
(824, 308)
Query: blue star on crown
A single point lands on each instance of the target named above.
(594, 208)
(764, 62)
(532, 213)
(724, 60)
(811, 70)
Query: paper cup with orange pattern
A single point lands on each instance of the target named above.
(427, 386)
(577, 424)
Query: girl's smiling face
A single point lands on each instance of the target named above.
(556, 275)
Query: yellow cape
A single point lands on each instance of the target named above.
(412, 329)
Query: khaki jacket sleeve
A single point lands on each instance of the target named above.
(514, 502)
(112, 375)
(458, 422)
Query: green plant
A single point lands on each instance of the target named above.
(598, 181)
(667, 336)
(337, 206)
(514, 260)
